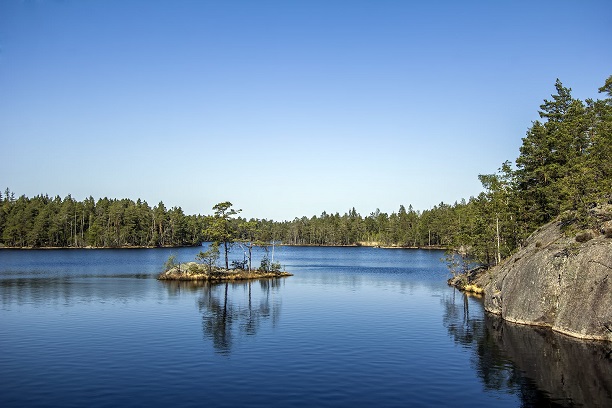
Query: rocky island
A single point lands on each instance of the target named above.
(193, 271)
(558, 280)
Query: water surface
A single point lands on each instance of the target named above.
(353, 327)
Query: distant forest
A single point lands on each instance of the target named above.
(564, 167)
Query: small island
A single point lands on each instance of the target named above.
(208, 270)
(193, 271)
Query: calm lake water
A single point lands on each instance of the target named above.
(353, 327)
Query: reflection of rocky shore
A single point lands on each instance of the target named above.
(571, 372)
(233, 310)
(543, 367)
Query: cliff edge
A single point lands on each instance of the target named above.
(559, 281)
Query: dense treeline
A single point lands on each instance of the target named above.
(54, 222)
(42, 221)
(564, 167)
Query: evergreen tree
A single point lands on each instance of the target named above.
(221, 229)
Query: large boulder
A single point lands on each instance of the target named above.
(563, 282)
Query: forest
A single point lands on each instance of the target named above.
(564, 168)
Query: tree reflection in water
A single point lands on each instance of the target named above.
(233, 310)
(542, 367)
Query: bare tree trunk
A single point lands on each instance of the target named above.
(226, 249)
(498, 242)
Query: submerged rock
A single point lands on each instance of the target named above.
(557, 281)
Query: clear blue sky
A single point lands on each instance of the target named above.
(285, 108)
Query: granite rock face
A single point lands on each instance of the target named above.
(557, 281)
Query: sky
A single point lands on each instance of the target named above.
(285, 108)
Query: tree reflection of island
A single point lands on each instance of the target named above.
(231, 310)
(543, 367)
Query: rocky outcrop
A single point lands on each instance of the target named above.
(557, 281)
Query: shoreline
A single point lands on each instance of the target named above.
(47, 248)
(432, 247)
(428, 248)
(472, 284)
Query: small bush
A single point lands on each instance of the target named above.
(193, 268)
(240, 264)
(170, 263)
(209, 257)
(265, 264)
(584, 236)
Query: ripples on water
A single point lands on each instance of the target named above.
(353, 327)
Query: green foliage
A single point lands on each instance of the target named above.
(210, 257)
(221, 229)
(457, 263)
(56, 222)
(564, 163)
(42, 221)
(170, 263)
(564, 167)
(265, 264)
(193, 268)
(240, 264)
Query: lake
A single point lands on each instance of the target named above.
(352, 327)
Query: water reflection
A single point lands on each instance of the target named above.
(570, 371)
(543, 367)
(233, 310)
(67, 291)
